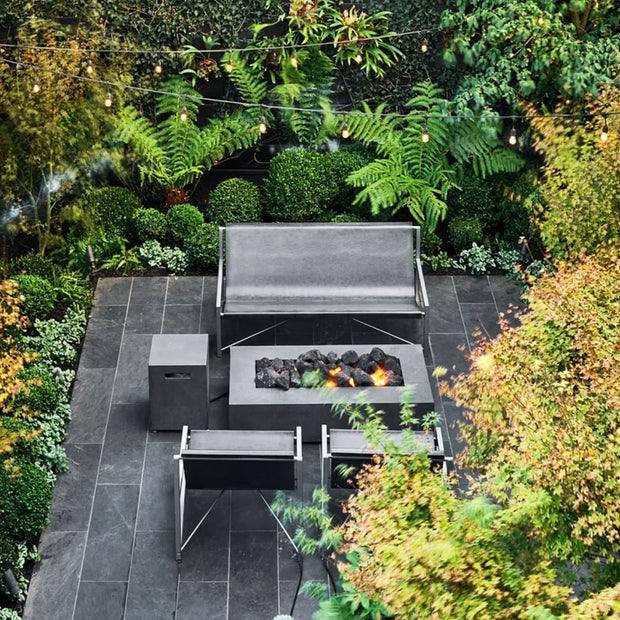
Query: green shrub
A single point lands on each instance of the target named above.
(113, 207)
(183, 220)
(234, 200)
(463, 231)
(202, 246)
(150, 224)
(345, 217)
(25, 496)
(342, 163)
(478, 259)
(299, 186)
(39, 296)
(32, 264)
(157, 255)
(476, 198)
(430, 243)
(44, 395)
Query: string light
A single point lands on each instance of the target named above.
(345, 131)
(294, 60)
(229, 65)
(424, 46)
(541, 20)
(425, 136)
(512, 139)
(605, 129)
(36, 86)
(359, 57)
(262, 128)
(108, 100)
(184, 111)
(89, 67)
(158, 67)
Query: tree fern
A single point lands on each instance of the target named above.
(250, 85)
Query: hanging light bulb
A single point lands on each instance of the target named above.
(89, 67)
(541, 20)
(359, 57)
(184, 111)
(424, 46)
(345, 131)
(605, 129)
(158, 67)
(229, 65)
(512, 138)
(36, 87)
(425, 136)
(262, 128)
(108, 100)
(294, 60)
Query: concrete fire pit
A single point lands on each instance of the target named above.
(273, 409)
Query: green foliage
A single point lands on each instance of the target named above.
(113, 208)
(42, 393)
(150, 224)
(507, 260)
(234, 200)
(441, 262)
(463, 232)
(202, 246)
(411, 174)
(156, 255)
(183, 220)
(540, 51)
(25, 497)
(430, 243)
(478, 259)
(38, 295)
(32, 264)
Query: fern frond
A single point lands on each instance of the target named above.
(252, 87)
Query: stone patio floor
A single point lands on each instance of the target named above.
(108, 551)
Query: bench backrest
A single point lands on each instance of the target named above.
(320, 260)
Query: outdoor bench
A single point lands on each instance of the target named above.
(295, 270)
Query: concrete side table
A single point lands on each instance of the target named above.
(179, 381)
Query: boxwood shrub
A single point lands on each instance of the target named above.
(113, 207)
(38, 293)
(150, 224)
(183, 221)
(234, 200)
(463, 232)
(43, 394)
(202, 246)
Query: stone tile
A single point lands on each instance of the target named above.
(112, 291)
(156, 510)
(207, 319)
(331, 330)
(108, 550)
(218, 414)
(202, 600)
(54, 583)
(90, 405)
(103, 337)
(151, 290)
(304, 605)
(449, 351)
(249, 512)
(454, 418)
(445, 316)
(181, 319)
(74, 490)
(153, 577)
(481, 320)
(185, 290)
(505, 292)
(473, 289)
(145, 317)
(132, 377)
(100, 600)
(295, 331)
(172, 437)
(218, 366)
(253, 576)
(123, 449)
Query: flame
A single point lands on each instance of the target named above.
(381, 376)
(351, 382)
(334, 371)
(330, 383)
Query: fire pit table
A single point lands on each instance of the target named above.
(254, 408)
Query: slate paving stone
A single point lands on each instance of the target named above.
(123, 448)
(294, 332)
(74, 489)
(110, 535)
(445, 317)
(207, 317)
(454, 417)
(249, 512)
(103, 338)
(100, 600)
(145, 318)
(331, 330)
(218, 366)
(54, 584)
(253, 586)
(181, 319)
(304, 605)
(473, 289)
(185, 290)
(132, 378)
(197, 600)
(480, 319)
(446, 351)
(505, 292)
(148, 290)
(151, 592)
(90, 405)
(112, 291)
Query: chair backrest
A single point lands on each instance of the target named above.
(316, 259)
(228, 459)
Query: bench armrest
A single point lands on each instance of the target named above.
(220, 274)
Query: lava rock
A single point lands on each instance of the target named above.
(393, 365)
(263, 362)
(284, 380)
(302, 366)
(277, 364)
(289, 365)
(295, 379)
(332, 358)
(371, 367)
(363, 361)
(378, 355)
(266, 378)
(350, 358)
(342, 379)
(312, 356)
(323, 370)
(395, 380)
(361, 378)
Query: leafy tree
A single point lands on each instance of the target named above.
(416, 175)
(580, 188)
(543, 401)
(174, 153)
(534, 50)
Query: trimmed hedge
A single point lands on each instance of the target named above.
(114, 208)
(183, 221)
(234, 200)
(39, 296)
(150, 224)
